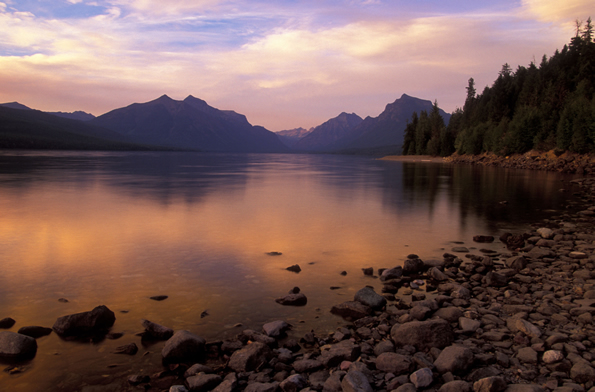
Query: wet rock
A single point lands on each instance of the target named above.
(128, 349)
(422, 378)
(394, 363)
(274, 253)
(420, 313)
(298, 299)
(14, 346)
(154, 331)
(96, 321)
(250, 357)
(490, 384)
(294, 383)
(391, 273)
(203, 382)
(455, 386)
(423, 334)
(183, 346)
(356, 381)
(369, 297)
(276, 329)
(7, 322)
(368, 271)
(159, 297)
(35, 331)
(460, 249)
(351, 309)
(294, 268)
(345, 350)
(454, 359)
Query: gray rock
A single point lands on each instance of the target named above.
(250, 357)
(454, 359)
(183, 346)
(262, 387)
(369, 297)
(423, 334)
(298, 299)
(490, 384)
(203, 382)
(275, 329)
(345, 350)
(96, 321)
(294, 383)
(582, 372)
(14, 346)
(352, 310)
(356, 381)
(422, 378)
(455, 386)
(154, 331)
(394, 363)
(391, 273)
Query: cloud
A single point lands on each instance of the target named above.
(560, 11)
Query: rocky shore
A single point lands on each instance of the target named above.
(550, 161)
(515, 321)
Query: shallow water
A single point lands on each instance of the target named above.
(117, 228)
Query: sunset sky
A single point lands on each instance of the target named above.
(284, 64)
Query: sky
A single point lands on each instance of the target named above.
(283, 63)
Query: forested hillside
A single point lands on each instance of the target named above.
(545, 107)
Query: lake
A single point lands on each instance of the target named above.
(113, 229)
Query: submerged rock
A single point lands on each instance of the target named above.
(96, 321)
(7, 322)
(154, 331)
(35, 331)
(298, 299)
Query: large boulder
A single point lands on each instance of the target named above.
(96, 321)
(183, 346)
(423, 334)
(369, 297)
(250, 357)
(14, 346)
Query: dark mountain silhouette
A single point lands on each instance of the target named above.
(15, 105)
(290, 137)
(33, 129)
(190, 123)
(77, 115)
(326, 135)
(388, 128)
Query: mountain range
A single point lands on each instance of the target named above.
(191, 124)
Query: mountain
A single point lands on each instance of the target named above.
(190, 123)
(33, 129)
(15, 105)
(326, 135)
(388, 128)
(291, 136)
(78, 115)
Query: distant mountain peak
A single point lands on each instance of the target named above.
(15, 105)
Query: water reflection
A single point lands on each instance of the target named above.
(116, 228)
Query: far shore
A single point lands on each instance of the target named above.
(413, 158)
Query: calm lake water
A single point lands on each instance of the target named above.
(117, 228)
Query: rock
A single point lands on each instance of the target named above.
(468, 325)
(154, 331)
(385, 346)
(7, 322)
(356, 381)
(274, 253)
(96, 321)
(528, 328)
(423, 334)
(351, 309)
(276, 329)
(307, 365)
(333, 383)
(183, 346)
(129, 349)
(483, 238)
(454, 359)
(436, 274)
(392, 273)
(203, 382)
(250, 357)
(345, 350)
(408, 387)
(14, 346)
(318, 379)
(178, 388)
(159, 297)
(422, 378)
(262, 387)
(420, 313)
(258, 337)
(540, 253)
(369, 297)
(197, 368)
(455, 386)
(413, 266)
(293, 300)
(546, 233)
(294, 268)
(450, 314)
(460, 249)
(527, 355)
(516, 262)
(394, 363)
(581, 372)
(35, 331)
(228, 384)
(294, 383)
(490, 384)
(552, 356)
(368, 271)
(494, 279)
(138, 379)
(524, 388)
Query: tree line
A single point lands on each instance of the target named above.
(545, 107)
